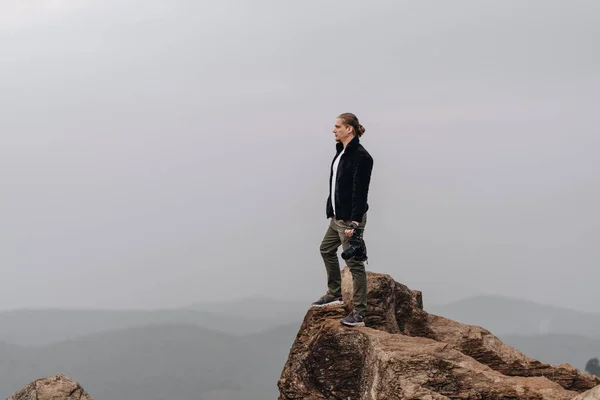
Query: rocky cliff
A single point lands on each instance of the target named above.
(406, 353)
(58, 387)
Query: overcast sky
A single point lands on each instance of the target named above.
(159, 153)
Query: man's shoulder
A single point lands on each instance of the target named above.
(361, 152)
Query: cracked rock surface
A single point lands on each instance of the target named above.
(405, 353)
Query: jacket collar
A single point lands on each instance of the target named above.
(350, 147)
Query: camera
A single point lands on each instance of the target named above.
(357, 248)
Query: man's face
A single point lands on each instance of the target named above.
(342, 132)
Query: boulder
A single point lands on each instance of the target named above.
(406, 353)
(57, 387)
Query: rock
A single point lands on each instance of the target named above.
(486, 348)
(393, 307)
(57, 387)
(406, 353)
(592, 394)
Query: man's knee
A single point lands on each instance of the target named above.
(328, 250)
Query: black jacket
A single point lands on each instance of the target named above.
(352, 183)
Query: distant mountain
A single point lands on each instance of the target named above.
(282, 310)
(504, 316)
(556, 348)
(501, 315)
(45, 326)
(7, 349)
(156, 362)
(183, 360)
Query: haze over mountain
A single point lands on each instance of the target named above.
(157, 362)
(160, 153)
(575, 350)
(39, 327)
(504, 315)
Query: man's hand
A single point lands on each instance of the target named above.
(349, 232)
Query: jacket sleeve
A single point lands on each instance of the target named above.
(360, 187)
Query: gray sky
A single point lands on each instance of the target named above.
(158, 153)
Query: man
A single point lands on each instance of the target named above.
(347, 207)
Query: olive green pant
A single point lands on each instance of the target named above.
(334, 237)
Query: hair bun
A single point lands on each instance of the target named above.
(361, 128)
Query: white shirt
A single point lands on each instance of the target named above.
(333, 178)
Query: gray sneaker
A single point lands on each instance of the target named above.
(328, 300)
(353, 319)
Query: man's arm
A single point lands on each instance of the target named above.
(360, 187)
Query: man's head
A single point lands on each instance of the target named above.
(346, 127)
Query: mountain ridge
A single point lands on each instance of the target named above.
(511, 299)
(509, 315)
(155, 362)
